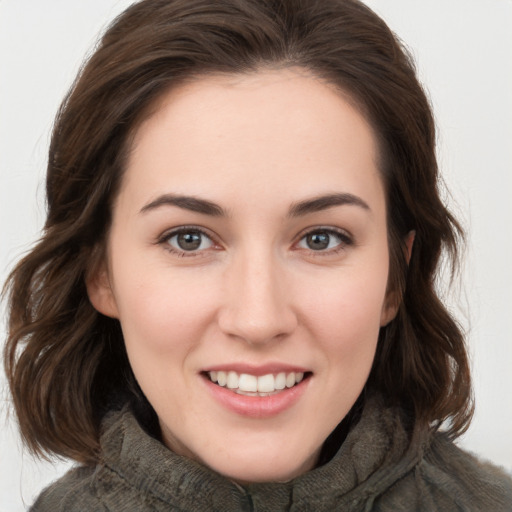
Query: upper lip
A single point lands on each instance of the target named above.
(256, 370)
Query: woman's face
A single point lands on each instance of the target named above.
(247, 264)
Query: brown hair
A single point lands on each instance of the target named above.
(65, 362)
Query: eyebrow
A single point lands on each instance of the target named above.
(191, 203)
(324, 202)
(297, 209)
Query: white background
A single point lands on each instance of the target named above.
(464, 53)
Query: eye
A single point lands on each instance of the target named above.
(187, 240)
(324, 240)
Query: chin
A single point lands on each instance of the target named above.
(245, 477)
(273, 469)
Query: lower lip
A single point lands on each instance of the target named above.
(257, 406)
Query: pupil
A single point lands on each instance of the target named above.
(318, 241)
(189, 241)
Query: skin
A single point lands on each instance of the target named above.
(254, 291)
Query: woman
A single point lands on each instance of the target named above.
(235, 287)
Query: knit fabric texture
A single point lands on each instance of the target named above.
(380, 467)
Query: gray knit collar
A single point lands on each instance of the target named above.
(377, 452)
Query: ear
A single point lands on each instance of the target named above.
(100, 291)
(392, 302)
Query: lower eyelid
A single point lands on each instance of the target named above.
(344, 238)
(165, 238)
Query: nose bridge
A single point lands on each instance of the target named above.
(257, 306)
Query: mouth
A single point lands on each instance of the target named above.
(252, 385)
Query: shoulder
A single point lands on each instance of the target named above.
(473, 481)
(98, 489)
(74, 491)
(449, 478)
(122, 481)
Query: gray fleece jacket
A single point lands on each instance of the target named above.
(379, 467)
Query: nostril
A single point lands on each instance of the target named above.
(255, 328)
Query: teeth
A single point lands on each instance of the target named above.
(245, 383)
(266, 383)
(222, 378)
(280, 381)
(232, 382)
(248, 382)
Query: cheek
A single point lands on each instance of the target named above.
(345, 317)
(163, 311)
(349, 302)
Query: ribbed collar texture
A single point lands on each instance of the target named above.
(377, 452)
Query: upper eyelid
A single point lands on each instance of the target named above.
(328, 229)
(346, 240)
(163, 240)
(169, 233)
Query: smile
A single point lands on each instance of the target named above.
(252, 385)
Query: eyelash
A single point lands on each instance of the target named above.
(166, 237)
(345, 240)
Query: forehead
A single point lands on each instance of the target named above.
(278, 127)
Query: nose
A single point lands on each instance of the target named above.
(257, 305)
